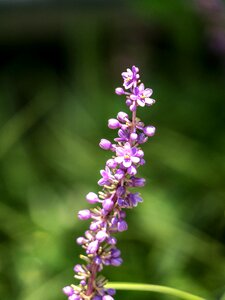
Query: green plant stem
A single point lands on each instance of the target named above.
(152, 288)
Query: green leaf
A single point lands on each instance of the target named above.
(152, 288)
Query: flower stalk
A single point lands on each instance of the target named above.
(117, 180)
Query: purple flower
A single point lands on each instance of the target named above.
(137, 182)
(141, 96)
(127, 155)
(123, 136)
(107, 177)
(134, 199)
(130, 77)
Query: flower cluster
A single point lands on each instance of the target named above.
(117, 180)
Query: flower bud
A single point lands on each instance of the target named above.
(137, 182)
(107, 297)
(123, 214)
(113, 124)
(128, 102)
(101, 236)
(93, 226)
(107, 204)
(142, 138)
(122, 116)
(81, 240)
(84, 214)
(116, 262)
(115, 253)
(92, 198)
(149, 130)
(78, 269)
(105, 144)
(92, 247)
(133, 136)
(74, 297)
(132, 170)
(97, 260)
(111, 292)
(119, 91)
(112, 240)
(119, 174)
(122, 226)
(97, 298)
(68, 291)
(111, 163)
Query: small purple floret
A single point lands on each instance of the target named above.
(113, 124)
(92, 198)
(105, 144)
(84, 214)
(149, 130)
(92, 247)
(68, 291)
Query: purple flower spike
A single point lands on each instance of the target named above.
(84, 214)
(118, 178)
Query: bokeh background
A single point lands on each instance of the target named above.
(60, 62)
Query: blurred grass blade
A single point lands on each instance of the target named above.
(152, 288)
(24, 119)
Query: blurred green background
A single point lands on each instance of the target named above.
(60, 62)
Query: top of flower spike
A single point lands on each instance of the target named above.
(130, 77)
(138, 95)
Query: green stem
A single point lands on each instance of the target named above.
(152, 288)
